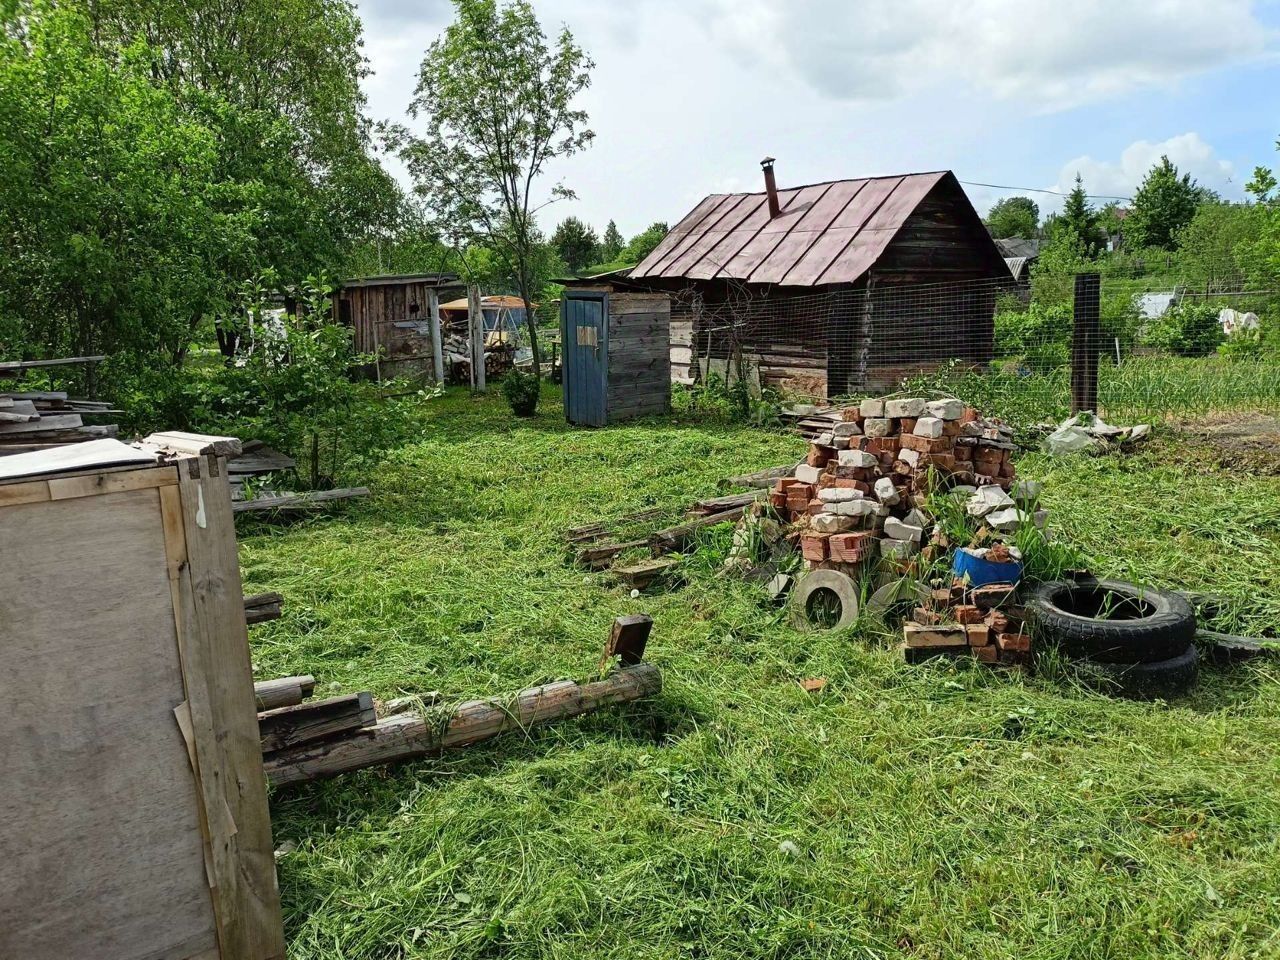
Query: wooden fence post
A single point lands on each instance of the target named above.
(475, 325)
(1085, 343)
(437, 348)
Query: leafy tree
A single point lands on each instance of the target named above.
(642, 244)
(1262, 186)
(1163, 205)
(576, 243)
(1213, 248)
(499, 105)
(611, 243)
(1014, 217)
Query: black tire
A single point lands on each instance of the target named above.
(1141, 626)
(1145, 681)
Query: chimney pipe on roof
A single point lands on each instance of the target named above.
(770, 187)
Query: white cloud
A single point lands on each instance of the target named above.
(1052, 53)
(1189, 153)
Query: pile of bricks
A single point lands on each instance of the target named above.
(858, 493)
(983, 622)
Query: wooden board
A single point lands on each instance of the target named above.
(133, 815)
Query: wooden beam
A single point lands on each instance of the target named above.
(298, 501)
(409, 737)
(262, 607)
(283, 692)
(301, 723)
(195, 444)
(627, 640)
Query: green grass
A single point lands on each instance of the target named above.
(937, 812)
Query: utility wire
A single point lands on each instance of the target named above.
(998, 186)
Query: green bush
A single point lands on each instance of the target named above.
(1185, 330)
(521, 391)
(1037, 337)
(1242, 345)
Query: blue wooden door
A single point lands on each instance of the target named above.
(586, 357)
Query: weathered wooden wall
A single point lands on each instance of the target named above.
(639, 355)
(385, 325)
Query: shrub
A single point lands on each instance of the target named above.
(1186, 330)
(1242, 345)
(521, 391)
(1039, 337)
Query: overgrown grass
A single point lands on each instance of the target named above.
(940, 811)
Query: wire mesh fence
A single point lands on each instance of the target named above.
(1162, 344)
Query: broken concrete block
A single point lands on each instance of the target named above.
(839, 443)
(808, 474)
(897, 530)
(823, 439)
(871, 407)
(929, 427)
(911, 407)
(949, 409)
(838, 494)
(886, 492)
(910, 457)
(915, 518)
(877, 427)
(779, 586)
(987, 498)
(1007, 519)
(846, 428)
(857, 458)
(892, 549)
(830, 523)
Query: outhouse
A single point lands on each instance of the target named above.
(616, 354)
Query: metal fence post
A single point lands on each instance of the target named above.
(1085, 343)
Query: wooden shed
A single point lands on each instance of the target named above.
(617, 353)
(396, 319)
(830, 288)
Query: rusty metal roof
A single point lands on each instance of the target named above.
(826, 233)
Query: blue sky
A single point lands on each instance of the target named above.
(688, 95)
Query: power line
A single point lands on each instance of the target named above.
(998, 186)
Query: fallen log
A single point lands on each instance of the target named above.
(297, 501)
(408, 736)
(675, 539)
(262, 607)
(284, 692)
(303, 723)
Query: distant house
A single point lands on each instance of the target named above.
(829, 288)
(1020, 255)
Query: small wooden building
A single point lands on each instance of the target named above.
(617, 353)
(832, 288)
(396, 319)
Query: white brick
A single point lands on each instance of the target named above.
(950, 409)
(871, 407)
(910, 457)
(857, 458)
(808, 474)
(930, 427)
(911, 407)
(886, 492)
(897, 549)
(830, 523)
(877, 427)
(838, 494)
(897, 530)
(846, 428)
(854, 508)
(916, 519)
(986, 500)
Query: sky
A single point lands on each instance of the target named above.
(688, 95)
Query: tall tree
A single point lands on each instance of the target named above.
(1080, 220)
(498, 102)
(1014, 217)
(1163, 205)
(611, 243)
(576, 243)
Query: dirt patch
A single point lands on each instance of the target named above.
(1241, 441)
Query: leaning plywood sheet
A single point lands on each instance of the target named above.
(133, 825)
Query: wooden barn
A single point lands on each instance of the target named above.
(397, 319)
(831, 288)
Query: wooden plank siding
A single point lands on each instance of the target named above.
(639, 382)
(374, 312)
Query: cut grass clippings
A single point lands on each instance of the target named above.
(937, 812)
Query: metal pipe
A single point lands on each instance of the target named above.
(770, 187)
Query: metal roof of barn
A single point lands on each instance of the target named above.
(394, 279)
(826, 233)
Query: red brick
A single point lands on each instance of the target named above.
(877, 446)
(997, 621)
(852, 547)
(969, 415)
(992, 595)
(986, 654)
(1006, 470)
(778, 500)
(940, 461)
(951, 636)
(978, 634)
(819, 456)
(815, 507)
(856, 473)
(907, 424)
(951, 428)
(1013, 642)
(963, 454)
(851, 415)
(926, 444)
(967, 613)
(813, 546)
(929, 616)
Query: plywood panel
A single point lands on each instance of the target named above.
(100, 840)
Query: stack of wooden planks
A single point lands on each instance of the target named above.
(36, 420)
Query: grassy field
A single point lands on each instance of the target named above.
(933, 812)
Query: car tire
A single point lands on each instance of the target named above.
(1145, 681)
(1152, 626)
